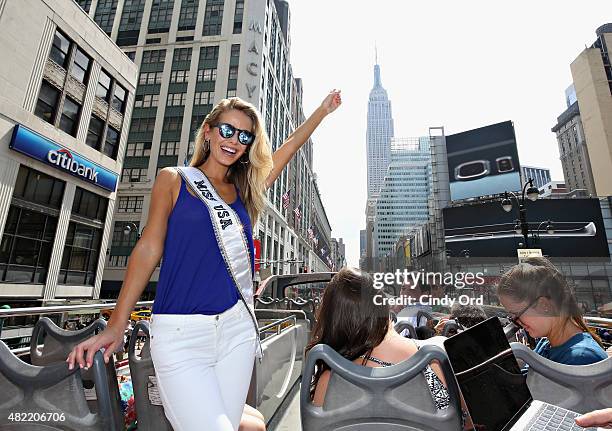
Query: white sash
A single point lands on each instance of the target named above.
(230, 236)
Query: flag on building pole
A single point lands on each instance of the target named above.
(298, 214)
(286, 199)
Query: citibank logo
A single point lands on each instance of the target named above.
(63, 159)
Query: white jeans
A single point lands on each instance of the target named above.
(203, 365)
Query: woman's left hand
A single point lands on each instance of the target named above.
(332, 101)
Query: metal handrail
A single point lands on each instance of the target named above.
(278, 323)
(57, 309)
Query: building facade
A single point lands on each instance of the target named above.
(379, 132)
(573, 150)
(592, 76)
(190, 55)
(540, 176)
(66, 100)
(404, 196)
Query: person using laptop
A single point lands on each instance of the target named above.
(597, 418)
(541, 301)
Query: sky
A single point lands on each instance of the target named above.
(457, 64)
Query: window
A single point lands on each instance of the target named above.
(138, 149)
(150, 78)
(46, 105)
(209, 53)
(169, 148)
(133, 175)
(104, 85)
(146, 101)
(116, 260)
(207, 75)
(81, 255)
(233, 72)
(111, 143)
(204, 98)
(176, 99)
(26, 246)
(94, 133)
(85, 4)
(238, 14)
(143, 125)
(173, 124)
(179, 76)
(188, 15)
(131, 55)
(161, 15)
(69, 121)
(80, 66)
(42, 189)
(213, 17)
(235, 52)
(119, 98)
(89, 205)
(130, 204)
(105, 14)
(154, 56)
(182, 54)
(231, 92)
(59, 49)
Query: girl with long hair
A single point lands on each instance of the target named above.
(204, 334)
(350, 322)
(541, 301)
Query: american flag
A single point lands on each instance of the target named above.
(298, 214)
(310, 234)
(286, 199)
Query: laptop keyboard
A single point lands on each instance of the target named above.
(552, 418)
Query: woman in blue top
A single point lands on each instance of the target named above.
(203, 339)
(539, 298)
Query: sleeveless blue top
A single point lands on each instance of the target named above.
(193, 278)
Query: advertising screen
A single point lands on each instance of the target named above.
(483, 161)
(486, 230)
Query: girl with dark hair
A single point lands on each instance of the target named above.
(540, 300)
(350, 322)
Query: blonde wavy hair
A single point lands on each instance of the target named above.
(250, 178)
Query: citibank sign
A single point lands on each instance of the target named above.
(40, 148)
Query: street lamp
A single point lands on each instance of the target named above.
(131, 227)
(549, 229)
(530, 192)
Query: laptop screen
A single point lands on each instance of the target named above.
(494, 394)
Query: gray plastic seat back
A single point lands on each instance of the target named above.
(58, 343)
(402, 325)
(149, 409)
(581, 388)
(393, 398)
(53, 390)
(423, 315)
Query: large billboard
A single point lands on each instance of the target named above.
(486, 230)
(483, 161)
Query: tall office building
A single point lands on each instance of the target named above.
(592, 75)
(191, 54)
(540, 176)
(379, 134)
(66, 94)
(402, 204)
(573, 150)
(378, 145)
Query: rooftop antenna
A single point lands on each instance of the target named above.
(375, 53)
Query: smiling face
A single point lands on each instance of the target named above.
(228, 151)
(535, 319)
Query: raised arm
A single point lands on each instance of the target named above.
(293, 143)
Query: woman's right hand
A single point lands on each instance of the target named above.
(110, 339)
